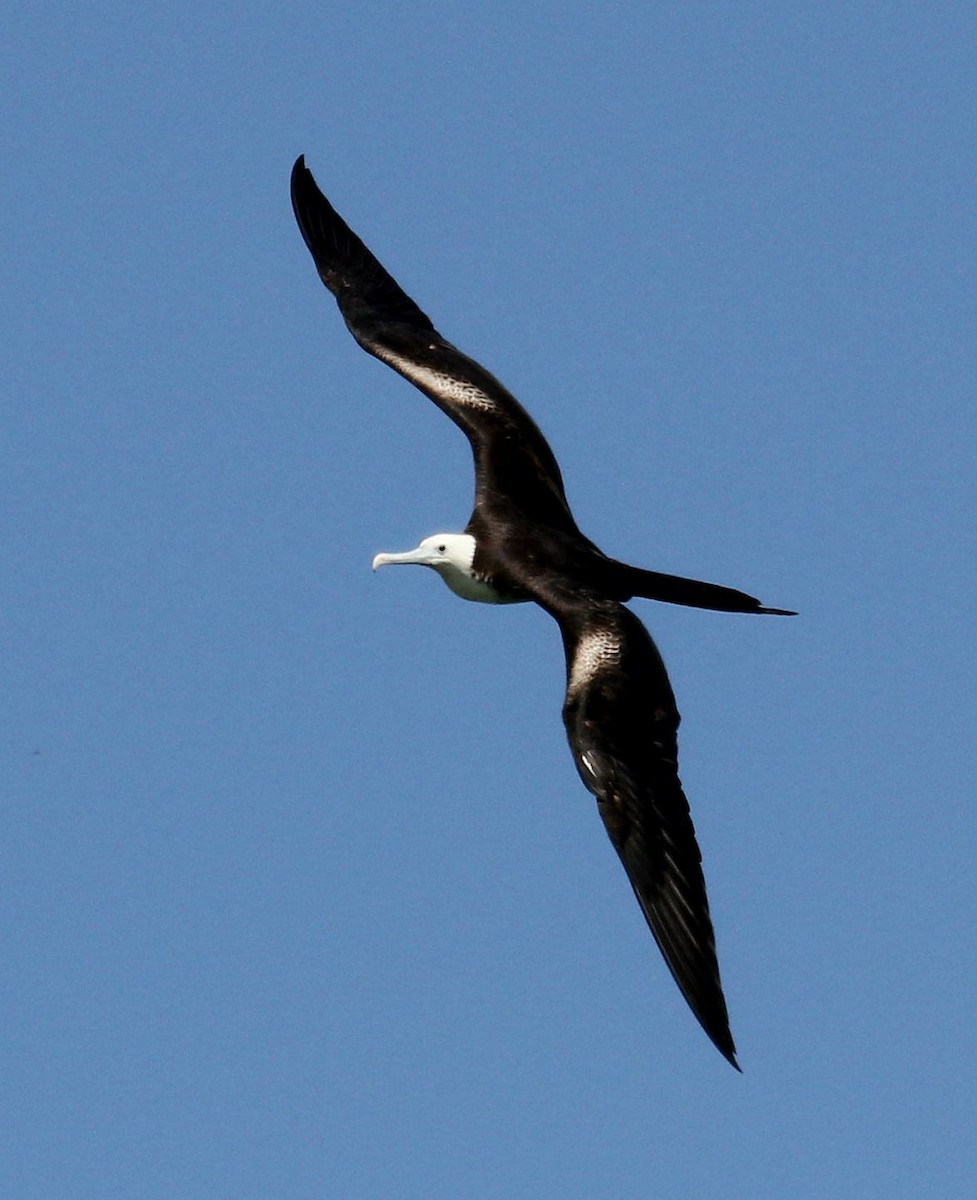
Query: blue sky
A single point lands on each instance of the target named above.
(301, 894)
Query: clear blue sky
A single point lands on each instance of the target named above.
(301, 894)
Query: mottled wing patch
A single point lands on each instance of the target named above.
(448, 388)
(597, 650)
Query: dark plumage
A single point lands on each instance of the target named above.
(523, 544)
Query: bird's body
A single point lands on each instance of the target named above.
(522, 544)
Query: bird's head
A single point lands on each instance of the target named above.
(445, 553)
(452, 556)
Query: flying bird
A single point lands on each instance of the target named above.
(522, 544)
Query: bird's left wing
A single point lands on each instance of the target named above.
(513, 461)
(622, 723)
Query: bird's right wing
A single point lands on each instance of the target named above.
(514, 464)
(622, 722)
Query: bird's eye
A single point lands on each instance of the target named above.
(441, 549)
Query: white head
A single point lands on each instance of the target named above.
(451, 555)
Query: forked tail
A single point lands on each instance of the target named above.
(674, 589)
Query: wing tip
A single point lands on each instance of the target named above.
(299, 170)
(715, 1025)
(727, 1049)
(300, 181)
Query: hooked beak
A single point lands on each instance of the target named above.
(419, 556)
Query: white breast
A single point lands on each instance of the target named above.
(468, 587)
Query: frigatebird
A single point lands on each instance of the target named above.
(522, 544)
